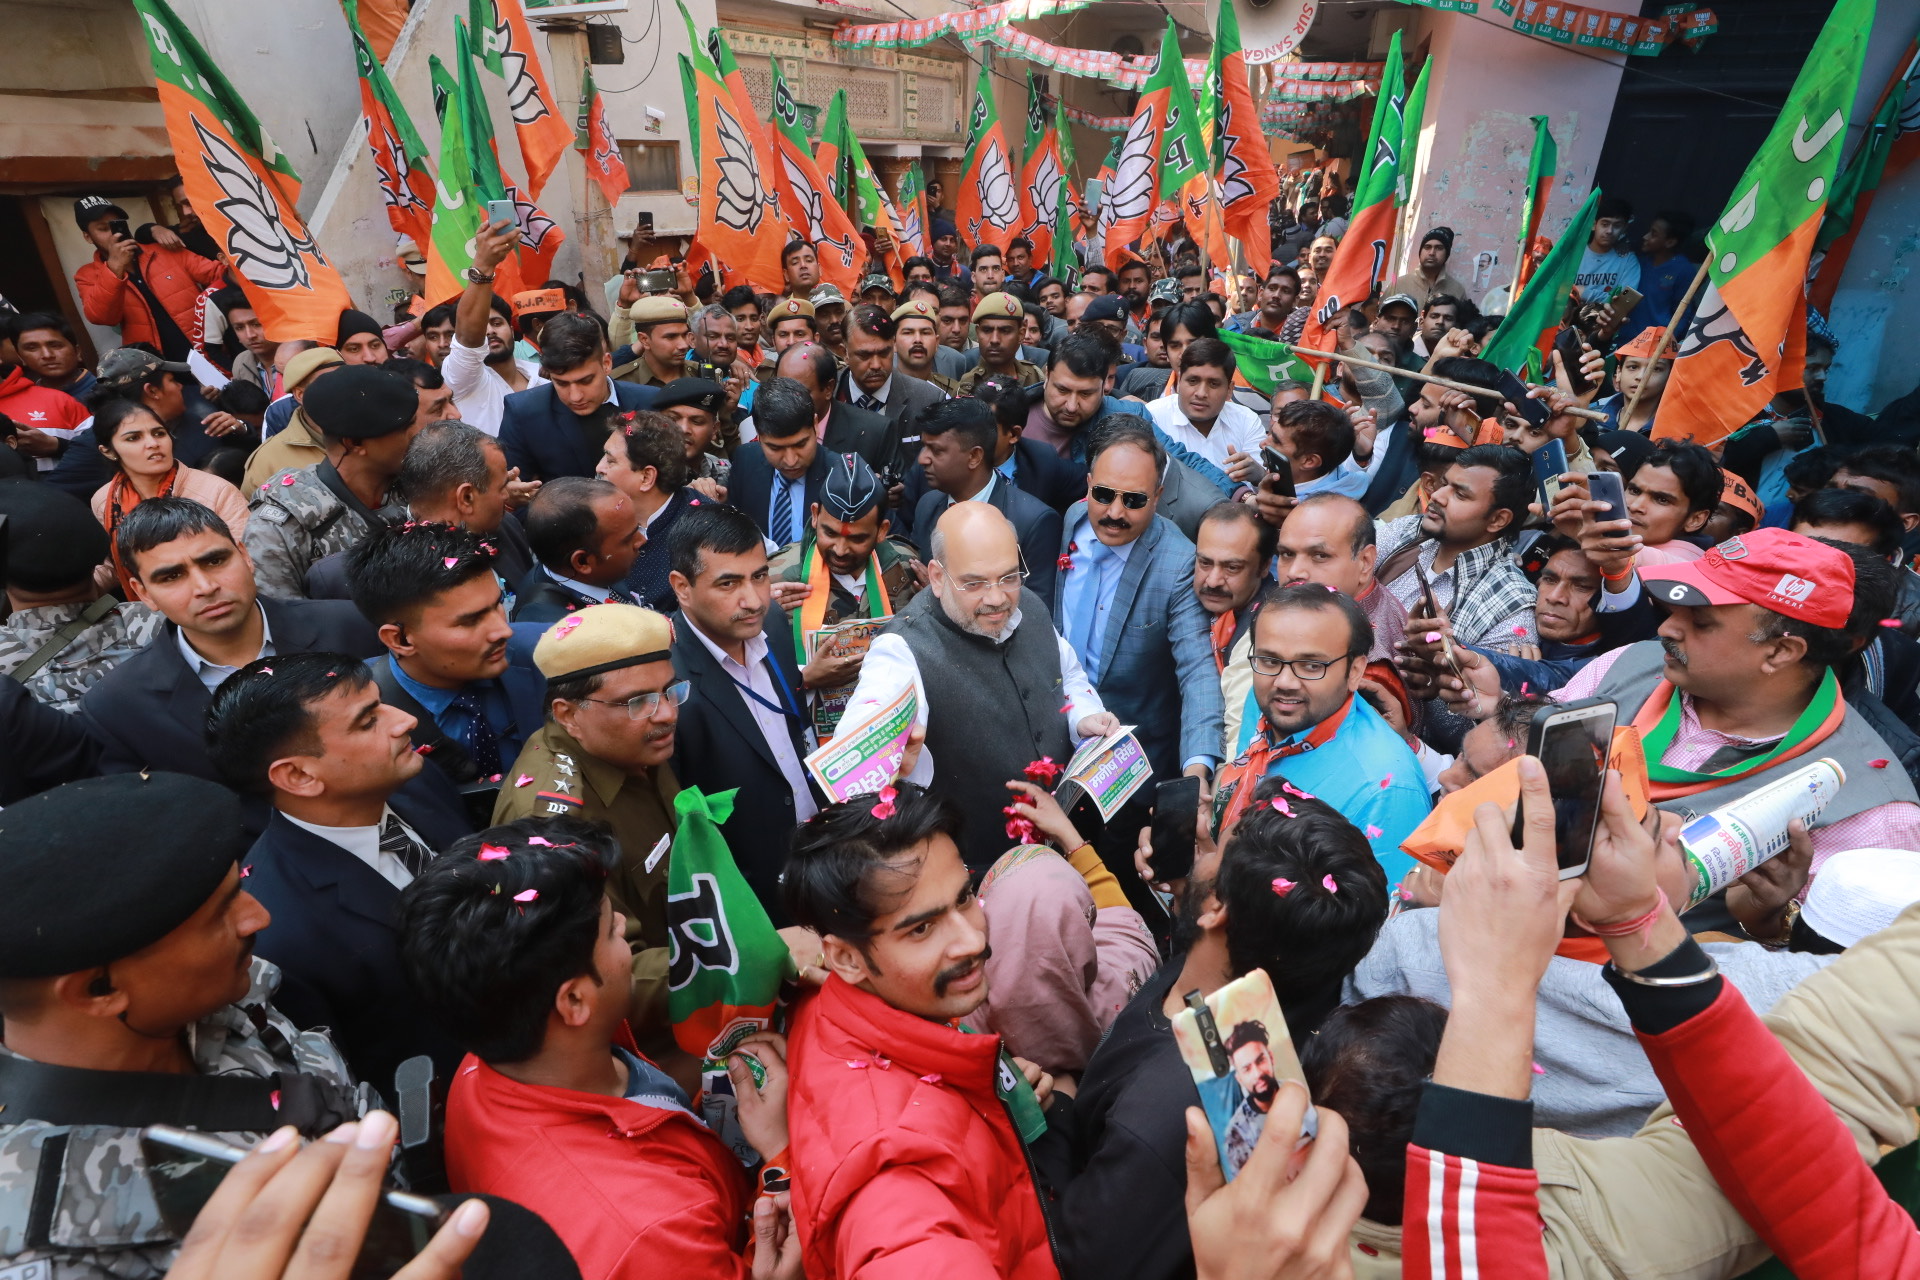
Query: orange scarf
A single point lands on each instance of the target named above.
(122, 498)
(1243, 776)
(1656, 709)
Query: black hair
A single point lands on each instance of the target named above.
(1314, 596)
(952, 294)
(875, 321)
(968, 417)
(109, 418)
(158, 521)
(397, 569)
(440, 458)
(1106, 343)
(577, 299)
(919, 260)
(1613, 207)
(1693, 466)
(241, 397)
(1195, 316)
(264, 711)
(1006, 395)
(561, 519)
(485, 959)
(1041, 284)
(915, 288)
(439, 315)
(1370, 1063)
(1812, 469)
(1211, 353)
(58, 323)
(1473, 372)
(839, 856)
(1020, 242)
(782, 409)
(571, 340)
(1187, 270)
(1852, 506)
(738, 296)
(711, 526)
(792, 247)
(1874, 588)
(1679, 222)
(1513, 484)
(1364, 535)
(1116, 429)
(983, 251)
(423, 375)
(1111, 276)
(1309, 939)
(1266, 534)
(655, 440)
(1889, 464)
(1445, 300)
(1084, 355)
(1317, 427)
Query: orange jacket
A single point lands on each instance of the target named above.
(176, 276)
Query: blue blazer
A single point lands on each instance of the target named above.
(542, 437)
(336, 940)
(1156, 663)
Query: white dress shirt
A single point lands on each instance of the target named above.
(211, 674)
(364, 844)
(773, 724)
(890, 666)
(479, 393)
(1237, 427)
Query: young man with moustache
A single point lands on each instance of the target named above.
(915, 340)
(1232, 564)
(873, 381)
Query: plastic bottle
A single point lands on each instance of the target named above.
(1732, 840)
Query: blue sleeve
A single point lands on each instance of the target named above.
(1195, 463)
(1394, 811)
(1202, 711)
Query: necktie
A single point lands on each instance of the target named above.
(479, 739)
(782, 510)
(868, 403)
(1083, 603)
(395, 839)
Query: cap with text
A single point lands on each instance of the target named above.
(1784, 572)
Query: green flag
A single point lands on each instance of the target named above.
(1534, 315)
(1264, 362)
(833, 149)
(469, 177)
(1065, 266)
(480, 23)
(443, 88)
(1864, 170)
(692, 100)
(1541, 171)
(1183, 148)
(1410, 120)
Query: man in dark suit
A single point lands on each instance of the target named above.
(848, 428)
(453, 661)
(586, 534)
(956, 444)
(558, 429)
(744, 723)
(873, 381)
(309, 732)
(777, 477)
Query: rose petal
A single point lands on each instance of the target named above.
(1386, 782)
(857, 1064)
(1877, 764)
(542, 841)
(1523, 688)
(1282, 886)
(526, 895)
(933, 1078)
(246, 871)
(274, 1098)
(493, 852)
(286, 480)
(525, 778)
(1889, 622)
(1539, 1070)
(1328, 883)
(1433, 637)
(1519, 631)
(451, 561)
(1292, 790)
(1373, 832)
(1280, 807)
(266, 671)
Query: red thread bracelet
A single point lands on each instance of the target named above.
(1641, 926)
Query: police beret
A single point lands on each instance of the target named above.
(998, 306)
(53, 541)
(96, 870)
(308, 363)
(656, 309)
(361, 402)
(700, 393)
(917, 309)
(603, 637)
(787, 308)
(1105, 306)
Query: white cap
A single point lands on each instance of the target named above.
(1860, 892)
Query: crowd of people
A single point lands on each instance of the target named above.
(354, 697)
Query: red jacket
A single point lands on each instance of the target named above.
(176, 276)
(905, 1163)
(632, 1190)
(31, 405)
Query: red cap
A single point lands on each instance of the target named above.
(1786, 573)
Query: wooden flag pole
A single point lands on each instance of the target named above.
(1666, 338)
(1577, 411)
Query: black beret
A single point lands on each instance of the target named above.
(361, 402)
(701, 393)
(53, 541)
(96, 870)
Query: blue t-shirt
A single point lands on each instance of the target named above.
(1661, 286)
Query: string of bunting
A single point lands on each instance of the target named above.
(1574, 24)
(1322, 90)
(968, 24)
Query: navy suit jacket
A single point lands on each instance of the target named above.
(1156, 661)
(526, 691)
(542, 437)
(1036, 524)
(1037, 469)
(750, 487)
(336, 939)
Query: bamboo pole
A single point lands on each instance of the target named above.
(1666, 338)
(1577, 411)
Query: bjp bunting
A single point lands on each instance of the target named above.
(1541, 170)
(1160, 154)
(243, 186)
(1747, 340)
(1242, 165)
(593, 138)
(506, 48)
(738, 228)
(1041, 177)
(987, 204)
(811, 211)
(399, 156)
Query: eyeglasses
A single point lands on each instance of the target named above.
(645, 706)
(1303, 668)
(1008, 582)
(1106, 497)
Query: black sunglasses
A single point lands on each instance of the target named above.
(1133, 498)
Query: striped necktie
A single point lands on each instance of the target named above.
(395, 839)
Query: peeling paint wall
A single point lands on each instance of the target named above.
(1877, 302)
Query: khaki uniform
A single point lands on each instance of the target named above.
(297, 445)
(105, 1224)
(294, 520)
(1028, 375)
(563, 779)
(124, 631)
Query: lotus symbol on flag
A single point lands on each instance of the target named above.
(523, 91)
(260, 244)
(999, 206)
(742, 201)
(1044, 191)
(1234, 186)
(1131, 195)
(1713, 322)
(910, 229)
(535, 225)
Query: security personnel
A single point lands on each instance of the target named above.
(140, 966)
(612, 705)
(660, 342)
(996, 327)
(788, 321)
(366, 417)
(297, 444)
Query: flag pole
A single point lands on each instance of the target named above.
(1577, 411)
(1666, 339)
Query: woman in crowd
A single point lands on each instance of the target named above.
(140, 449)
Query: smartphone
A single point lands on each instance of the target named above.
(499, 211)
(184, 1168)
(1572, 741)
(1429, 605)
(658, 280)
(119, 228)
(1237, 1048)
(1279, 469)
(1607, 487)
(1549, 464)
(1514, 392)
(1176, 812)
(1623, 301)
(1567, 343)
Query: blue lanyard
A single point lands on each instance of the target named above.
(787, 706)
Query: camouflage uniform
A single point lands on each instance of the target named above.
(896, 574)
(105, 1223)
(1028, 374)
(295, 520)
(553, 775)
(124, 631)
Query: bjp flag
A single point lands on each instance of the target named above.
(506, 49)
(986, 204)
(1041, 177)
(738, 224)
(1159, 155)
(593, 137)
(243, 187)
(912, 207)
(399, 156)
(1244, 169)
(812, 212)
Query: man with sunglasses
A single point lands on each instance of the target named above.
(1310, 646)
(613, 706)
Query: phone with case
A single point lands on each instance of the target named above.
(1236, 1046)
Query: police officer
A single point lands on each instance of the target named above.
(126, 947)
(612, 706)
(366, 415)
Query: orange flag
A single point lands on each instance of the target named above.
(812, 212)
(507, 50)
(739, 227)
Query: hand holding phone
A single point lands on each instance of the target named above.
(1176, 813)
(1607, 487)
(501, 211)
(1572, 742)
(1279, 477)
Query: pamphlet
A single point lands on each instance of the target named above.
(864, 756)
(840, 640)
(1107, 771)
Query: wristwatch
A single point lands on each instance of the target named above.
(1788, 914)
(476, 276)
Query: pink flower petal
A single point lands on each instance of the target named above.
(526, 895)
(542, 841)
(1539, 1070)
(883, 1062)
(1280, 807)
(525, 778)
(1282, 886)
(246, 871)
(494, 778)
(451, 561)
(1328, 883)
(266, 671)
(858, 1064)
(1523, 688)
(286, 480)
(493, 852)
(1889, 622)
(274, 1098)
(1386, 782)
(1433, 637)
(1292, 790)
(1519, 631)
(1373, 832)
(933, 1078)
